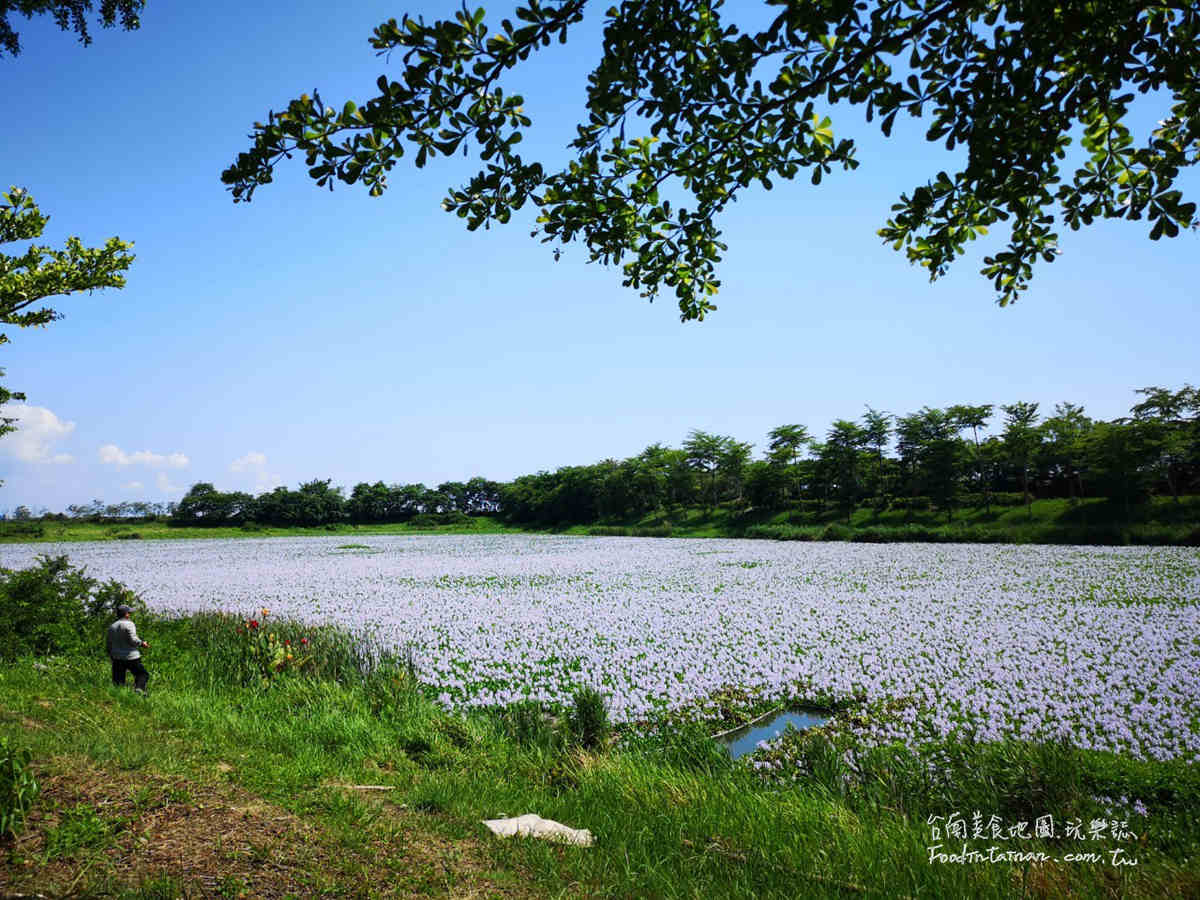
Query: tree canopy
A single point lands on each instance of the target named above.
(40, 272)
(69, 15)
(880, 468)
(686, 110)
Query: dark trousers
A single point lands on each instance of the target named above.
(140, 675)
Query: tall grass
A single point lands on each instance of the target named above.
(253, 651)
(673, 814)
(18, 788)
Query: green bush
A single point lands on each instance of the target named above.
(782, 533)
(913, 503)
(21, 530)
(435, 520)
(18, 788)
(526, 724)
(608, 531)
(997, 498)
(1164, 534)
(102, 605)
(873, 535)
(630, 531)
(660, 531)
(53, 607)
(588, 719)
(837, 533)
(803, 511)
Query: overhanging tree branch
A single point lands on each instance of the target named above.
(1009, 81)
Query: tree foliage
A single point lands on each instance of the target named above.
(319, 503)
(42, 272)
(69, 15)
(915, 462)
(53, 607)
(687, 109)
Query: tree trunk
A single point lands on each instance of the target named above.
(1025, 491)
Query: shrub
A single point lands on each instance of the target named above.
(1163, 534)
(525, 723)
(608, 531)
(53, 607)
(634, 531)
(913, 503)
(21, 529)
(434, 520)
(975, 534)
(782, 533)
(661, 531)
(18, 788)
(876, 535)
(589, 723)
(102, 605)
(837, 533)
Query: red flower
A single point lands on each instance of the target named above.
(254, 623)
(287, 643)
(303, 640)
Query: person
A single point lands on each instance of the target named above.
(125, 651)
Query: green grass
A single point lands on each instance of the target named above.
(672, 818)
(72, 530)
(1091, 521)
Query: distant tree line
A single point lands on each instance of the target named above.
(932, 459)
(318, 502)
(929, 459)
(99, 511)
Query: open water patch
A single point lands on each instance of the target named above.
(745, 740)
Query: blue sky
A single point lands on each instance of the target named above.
(311, 334)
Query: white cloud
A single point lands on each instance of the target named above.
(38, 429)
(163, 483)
(132, 486)
(111, 454)
(255, 463)
(252, 460)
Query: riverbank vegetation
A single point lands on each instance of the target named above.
(272, 758)
(1158, 520)
(929, 475)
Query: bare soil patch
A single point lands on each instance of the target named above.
(103, 831)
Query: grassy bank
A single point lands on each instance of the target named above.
(1159, 521)
(344, 777)
(47, 531)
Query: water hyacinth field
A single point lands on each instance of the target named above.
(1097, 645)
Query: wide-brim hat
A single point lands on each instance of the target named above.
(124, 609)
